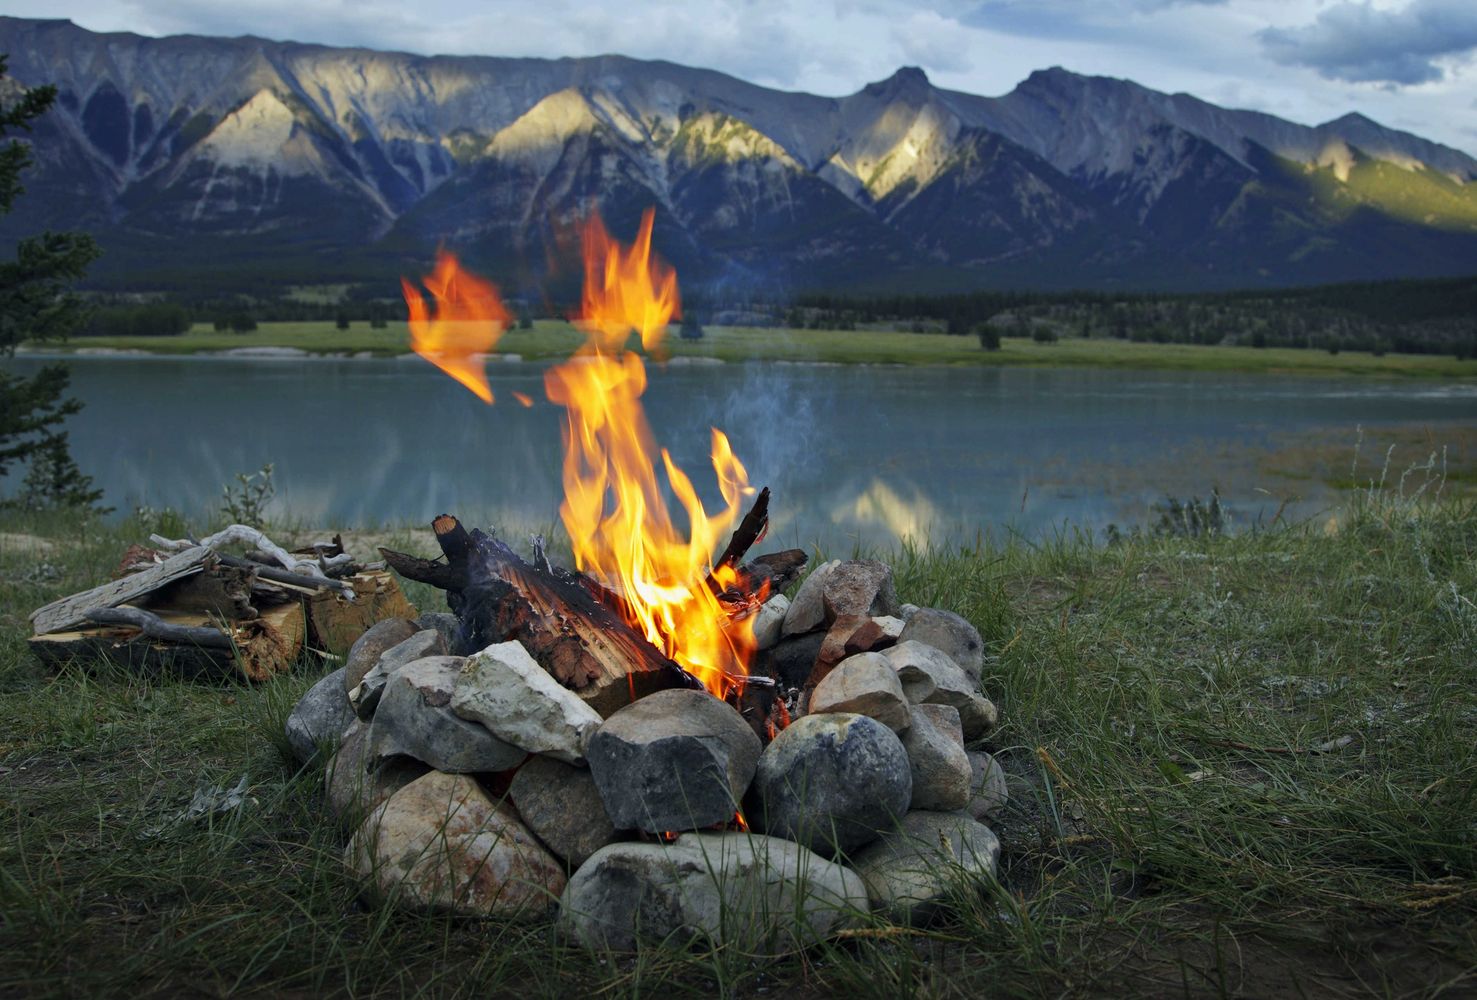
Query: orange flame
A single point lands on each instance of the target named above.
(614, 506)
(469, 320)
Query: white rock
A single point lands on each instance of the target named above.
(931, 677)
(769, 620)
(807, 612)
(505, 689)
(414, 719)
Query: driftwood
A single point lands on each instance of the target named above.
(242, 534)
(70, 612)
(298, 581)
(155, 627)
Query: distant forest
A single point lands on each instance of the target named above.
(1415, 317)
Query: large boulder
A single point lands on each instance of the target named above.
(354, 782)
(950, 633)
(807, 610)
(674, 760)
(936, 758)
(440, 843)
(506, 690)
(367, 649)
(561, 805)
(414, 718)
(912, 870)
(757, 894)
(320, 716)
(831, 783)
(931, 677)
(867, 685)
(365, 696)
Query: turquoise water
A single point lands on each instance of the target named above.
(853, 454)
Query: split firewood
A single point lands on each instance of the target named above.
(155, 627)
(69, 612)
(220, 590)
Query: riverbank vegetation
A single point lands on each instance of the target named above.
(549, 339)
(1239, 765)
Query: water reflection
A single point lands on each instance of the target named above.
(854, 455)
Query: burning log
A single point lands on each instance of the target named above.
(749, 531)
(574, 635)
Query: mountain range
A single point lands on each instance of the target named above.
(241, 160)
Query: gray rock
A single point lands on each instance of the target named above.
(807, 611)
(320, 716)
(859, 587)
(945, 719)
(867, 685)
(441, 844)
(760, 895)
(366, 650)
(937, 760)
(561, 805)
(674, 760)
(365, 696)
(791, 660)
(449, 625)
(913, 869)
(907, 611)
(831, 783)
(988, 790)
(354, 782)
(769, 620)
(931, 677)
(948, 632)
(506, 690)
(415, 719)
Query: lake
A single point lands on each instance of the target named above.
(854, 455)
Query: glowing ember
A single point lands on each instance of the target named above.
(614, 508)
(469, 319)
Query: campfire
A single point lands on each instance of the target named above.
(579, 738)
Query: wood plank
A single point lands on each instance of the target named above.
(71, 612)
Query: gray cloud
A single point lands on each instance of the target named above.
(1359, 43)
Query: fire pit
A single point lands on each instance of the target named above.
(656, 742)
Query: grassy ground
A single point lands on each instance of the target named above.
(1240, 766)
(554, 339)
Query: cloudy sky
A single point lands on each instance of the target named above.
(1407, 63)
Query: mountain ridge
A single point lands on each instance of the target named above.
(285, 157)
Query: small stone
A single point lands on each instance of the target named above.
(853, 634)
(506, 690)
(415, 719)
(674, 760)
(561, 805)
(354, 783)
(365, 696)
(867, 685)
(875, 635)
(831, 783)
(859, 587)
(988, 790)
(320, 716)
(907, 611)
(951, 634)
(441, 844)
(945, 719)
(769, 620)
(912, 870)
(759, 895)
(807, 611)
(366, 650)
(449, 625)
(791, 660)
(937, 760)
(930, 676)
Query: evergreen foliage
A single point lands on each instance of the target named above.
(36, 303)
